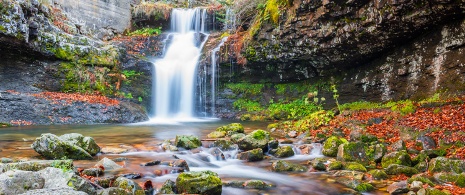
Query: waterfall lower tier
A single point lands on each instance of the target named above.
(173, 87)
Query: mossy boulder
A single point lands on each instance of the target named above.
(395, 169)
(335, 165)
(356, 151)
(273, 144)
(217, 134)
(256, 139)
(128, 185)
(283, 166)
(169, 187)
(353, 166)
(18, 182)
(52, 147)
(318, 164)
(201, 182)
(422, 179)
(187, 141)
(86, 143)
(457, 179)
(231, 129)
(236, 137)
(251, 155)
(378, 174)
(331, 146)
(442, 164)
(223, 144)
(379, 151)
(37, 165)
(364, 187)
(399, 158)
(284, 151)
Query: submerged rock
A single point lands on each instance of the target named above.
(187, 141)
(283, 166)
(52, 147)
(201, 182)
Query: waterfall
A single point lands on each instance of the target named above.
(174, 82)
(214, 78)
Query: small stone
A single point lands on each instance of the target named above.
(131, 175)
(94, 172)
(108, 164)
(152, 163)
(416, 185)
(180, 163)
(398, 188)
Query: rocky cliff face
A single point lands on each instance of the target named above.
(373, 50)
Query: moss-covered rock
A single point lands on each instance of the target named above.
(318, 164)
(273, 144)
(251, 155)
(399, 158)
(231, 129)
(444, 177)
(223, 144)
(37, 165)
(434, 191)
(187, 141)
(169, 187)
(364, 187)
(236, 137)
(256, 139)
(335, 165)
(255, 184)
(379, 151)
(52, 147)
(442, 164)
(217, 134)
(284, 151)
(331, 146)
(353, 166)
(283, 166)
(86, 143)
(420, 178)
(355, 151)
(202, 182)
(395, 169)
(128, 185)
(378, 174)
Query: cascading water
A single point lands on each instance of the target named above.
(173, 87)
(214, 78)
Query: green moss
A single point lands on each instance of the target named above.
(284, 151)
(4, 125)
(260, 134)
(272, 126)
(400, 158)
(378, 174)
(395, 169)
(434, 191)
(364, 187)
(187, 141)
(353, 166)
(231, 128)
(422, 179)
(331, 146)
(202, 182)
(335, 165)
(247, 89)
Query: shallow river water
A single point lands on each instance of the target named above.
(143, 142)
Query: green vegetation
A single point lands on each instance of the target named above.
(82, 79)
(292, 110)
(146, 32)
(247, 105)
(247, 89)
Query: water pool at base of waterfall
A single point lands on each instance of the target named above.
(142, 143)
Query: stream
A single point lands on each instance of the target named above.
(143, 142)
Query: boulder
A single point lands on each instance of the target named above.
(457, 179)
(283, 166)
(251, 155)
(379, 151)
(273, 144)
(335, 165)
(67, 191)
(318, 164)
(355, 151)
(201, 182)
(128, 185)
(217, 134)
(224, 144)
(416, 185)
(18, 182)
(378, 174)
(255, 184)
(55, 178)
(52, 147)
(236, 137)
(187, 141)
(106, 182)
(442, 164)
(427, 142)
(108, 164)
(399, 158)
(86, 143)
(113, 191)
(256, 139)
(398, 188)
(353, 166)
(395, 169)
(331, 146)
(94, 172)
(169, 187)
(398, 146)
(284, 151)
(231, 129)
